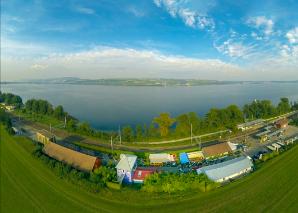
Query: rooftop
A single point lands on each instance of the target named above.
(217, 149)
(228, 168)
(127, 162)
(141, 174)
(76, 159)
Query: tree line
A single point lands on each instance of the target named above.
(5, 121)
(11, 99)
(162, 126)
(216, 119)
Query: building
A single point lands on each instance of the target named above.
(10, 108)
(17, 131)
(250, 125)
(126, 167)
(44, 137)
(159, 159)
(195, 156)
(73, 158)
(263, 136)
(227, 170)
(216, 150)
(141, 174)
(282, 123)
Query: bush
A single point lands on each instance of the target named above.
(171, 183)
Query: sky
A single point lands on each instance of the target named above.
(214, 39)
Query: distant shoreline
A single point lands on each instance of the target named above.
(139, 82)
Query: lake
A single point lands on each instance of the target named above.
(107, 107)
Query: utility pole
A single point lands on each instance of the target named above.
(200, 143)
(65, 122)
(120, 138)
(112, 145)
(191, 133)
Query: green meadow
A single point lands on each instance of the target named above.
(27, 185)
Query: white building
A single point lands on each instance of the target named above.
(125, 167)
(250, 125)
(227, 170)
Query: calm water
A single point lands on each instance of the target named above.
(106, 107)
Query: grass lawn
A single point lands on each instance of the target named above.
(29, 186)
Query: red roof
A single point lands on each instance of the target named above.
(141, 174)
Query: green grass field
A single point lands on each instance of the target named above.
(27, 185)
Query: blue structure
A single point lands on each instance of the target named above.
(183, 158)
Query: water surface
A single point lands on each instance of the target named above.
(107, 107)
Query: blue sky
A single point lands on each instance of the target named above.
(224, 40)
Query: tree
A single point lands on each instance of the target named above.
(71, 124)
(85, 128)
(139, 132)
(59, 112)
(284, 106)
(127, 133)
(152, 132)
(295, 106)
(164, 121)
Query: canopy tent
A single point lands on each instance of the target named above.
(183, 158)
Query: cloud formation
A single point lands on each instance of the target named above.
(85, 10)
(192, 18)
(262, 23)
(292, 35)
(109, 62)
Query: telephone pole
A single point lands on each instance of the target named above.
(191, 133)
(112, 145)
(65, 122)
(120, 138)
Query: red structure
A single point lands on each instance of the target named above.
(140, 174)
(97, 163)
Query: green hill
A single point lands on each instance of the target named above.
(29, 186)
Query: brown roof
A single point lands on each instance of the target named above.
(217, 149)
(282, 121)
(76, 159)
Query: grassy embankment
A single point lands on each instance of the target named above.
(27, 185)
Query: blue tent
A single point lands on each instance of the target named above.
(183, 158)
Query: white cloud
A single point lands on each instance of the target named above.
(109, 62)
(256, 36)
(38, 67)
(292, 35)
(234, 49)
(85, 10)
(262, 23)
(136, 12)
(192, 18)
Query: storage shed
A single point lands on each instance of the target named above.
(44, 136)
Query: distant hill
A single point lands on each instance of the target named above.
(127, 82)
(137, 82)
